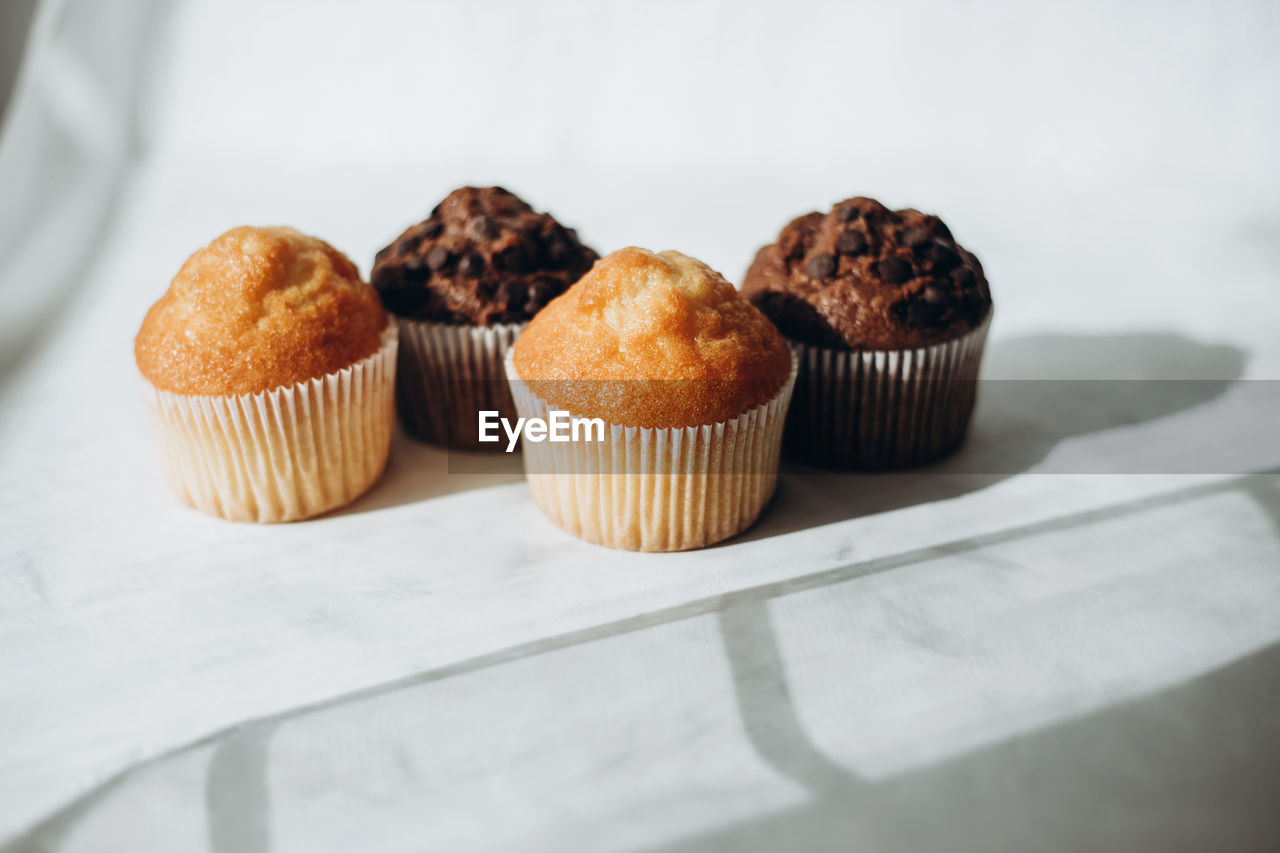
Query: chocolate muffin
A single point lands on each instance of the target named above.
(484, 256)
(890, 315)
(462, 284)
(864, 277)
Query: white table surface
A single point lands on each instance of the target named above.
(1075, 647)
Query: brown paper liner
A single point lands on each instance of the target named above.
(883, 409)
(279, 455)
(447, 375)
(648, 489)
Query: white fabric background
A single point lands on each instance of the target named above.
(910, 662)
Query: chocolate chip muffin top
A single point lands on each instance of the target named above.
(483, 256)
(865, 277)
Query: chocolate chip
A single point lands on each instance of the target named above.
(893, 270)
(402, 299)
(797, 318)
(415, 263)
(585, 261)
(935, 295)
(942, 256)
(560, 251)
(923, 314)
(486, 227)
(511, 291)
(385, 253)
(851, 242)
(471, 264)
(541, 291)
(512, 259)
(431, 228)
(973, 304)
(915, 238)
(963, 277)
(847, 213)
(820, 266)
(438, 258)
(387, 279)
(406, 244)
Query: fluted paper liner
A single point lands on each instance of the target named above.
(447, 374)
(279, 455)
(882, 409)
(649, 489)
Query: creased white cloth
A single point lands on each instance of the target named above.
(913, 661)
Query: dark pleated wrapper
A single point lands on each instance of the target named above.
(884, 409)
(447, 374)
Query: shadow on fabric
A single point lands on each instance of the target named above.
(1041, 391)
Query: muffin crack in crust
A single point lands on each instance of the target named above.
(653, 340)
(257, 309)
(484, 256)
(865, 277)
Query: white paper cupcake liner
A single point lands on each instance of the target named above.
(447, 375)
(883, 409)
(647, 489)
(279, 455)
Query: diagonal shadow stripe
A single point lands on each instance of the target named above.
(765, 705)
(1255, 484)
(237, 796)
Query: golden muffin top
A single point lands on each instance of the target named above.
(653, 340)
(257, 309)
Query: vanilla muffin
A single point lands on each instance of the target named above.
(889, 315)
(269, 370)
(462, 284)
(691, 383)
